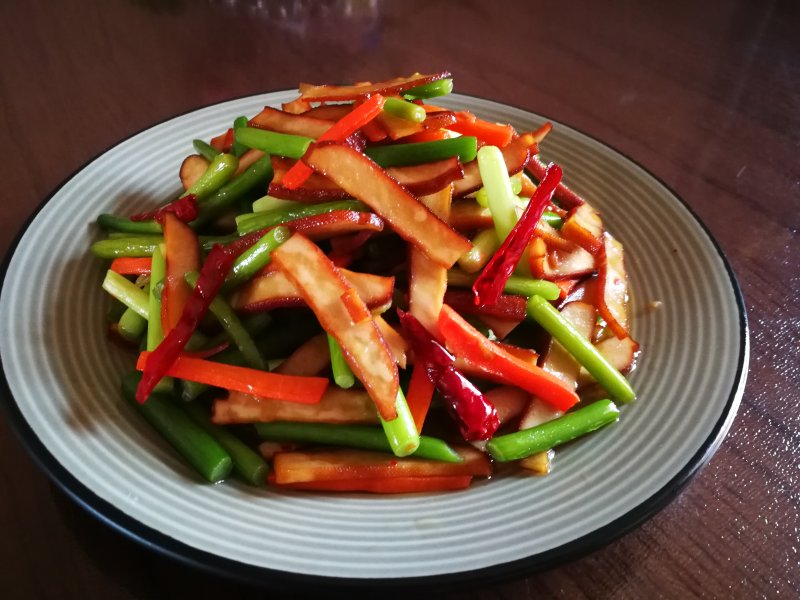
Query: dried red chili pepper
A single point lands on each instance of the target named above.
(490, 283)
(476, 416)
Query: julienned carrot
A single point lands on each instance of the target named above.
(426, 135)
(493, 134)
(466, 342)
(390, 485)
(374, 132)
(420, 394)
(339, 131)
(128, 265)
(307, 390)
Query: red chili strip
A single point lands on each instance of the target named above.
(184, 208)
(490, 283)
(212, 276)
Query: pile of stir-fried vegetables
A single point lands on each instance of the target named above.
(389, 259)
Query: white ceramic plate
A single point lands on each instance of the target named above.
(61, 390)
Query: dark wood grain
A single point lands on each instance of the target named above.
(704, 95)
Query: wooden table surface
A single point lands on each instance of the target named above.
(706, 95)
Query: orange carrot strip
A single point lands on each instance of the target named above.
(307, 390)
(419, 396)
(465, 341)
(374, 132)
(131, 266)
(426, 135)
(493, 134)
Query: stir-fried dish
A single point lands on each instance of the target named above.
(365, 291)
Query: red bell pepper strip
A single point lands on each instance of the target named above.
(490, 283)
(274, 386)
(468, 343)
(212, 276)
(493, 134)
(477, 417)
(128, 265)
(339, 132)
(185, 208)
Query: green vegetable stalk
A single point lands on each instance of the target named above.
(127, 292)
(131, 325)
(222, 168)
(342, 373)
(238, 149)
(401, 432)
(158, 271)
(233, 327)
(250, 222)
(464, 147)
(282, 144)
(501, 197)
(433, 89)
(246, 462)
(351, 436)
(404, 110)
(520, 286)
(484, 245)
(205, 150)
(541, 311)
(199, 449)
(256, 257)
(259, 173)
(521, 444)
